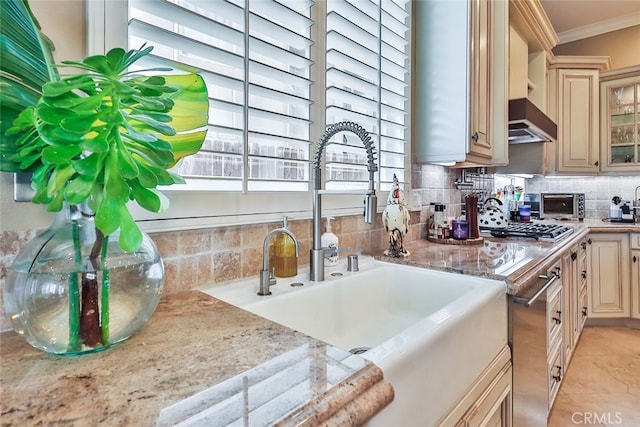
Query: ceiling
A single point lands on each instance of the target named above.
(579, 19)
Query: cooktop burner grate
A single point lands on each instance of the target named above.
(540, 231)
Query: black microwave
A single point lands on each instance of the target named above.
(562, 206)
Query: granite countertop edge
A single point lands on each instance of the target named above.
(525, 273)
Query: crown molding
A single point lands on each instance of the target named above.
(529, 17)
(600, 63)
(598, 28)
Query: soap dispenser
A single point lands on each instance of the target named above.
(285, 262)
(330, 240)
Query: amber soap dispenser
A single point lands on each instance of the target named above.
(285, 261)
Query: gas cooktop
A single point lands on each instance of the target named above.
(538, 231)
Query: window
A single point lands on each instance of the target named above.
(255, 58)
(265, 62)
(366, 74)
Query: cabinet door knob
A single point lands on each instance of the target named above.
(583, 274)
(574, 256)
(589, 241)
(475, 136)
(635, 258)
(597, 163)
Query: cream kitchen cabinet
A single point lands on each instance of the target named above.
(461, 83)
(570, 303)
(635, 275)
(488, 401)
(609, 278)
(620, 122)
(575, 93)
(574, 285)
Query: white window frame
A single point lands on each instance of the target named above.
(192, 208)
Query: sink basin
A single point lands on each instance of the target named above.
(431, 332)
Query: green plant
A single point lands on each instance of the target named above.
(102, 134)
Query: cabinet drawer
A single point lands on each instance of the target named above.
(555, 372)
(554, 315)
(635, 240)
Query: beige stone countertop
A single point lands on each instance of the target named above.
(198, 359)
(517, 261)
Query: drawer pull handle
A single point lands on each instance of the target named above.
(549, 281)
(558, 319)
(584, 274)
(574, 256)
(558, 376)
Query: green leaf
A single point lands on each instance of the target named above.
(128, 166)
(60, 155)
(185, 144)
(56, 204)
(80, 125)
(191, 101)
(130, 235)
(114, 184)
(58, 179)
(152, 124)
(150, 199)
(147, 177)
(51, 115)
(90, 165)
(25, 66)
(79, 189)
(97, 144)
(108, 215)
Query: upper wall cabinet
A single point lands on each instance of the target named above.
(460, 82)
(620, 121)
(574, 104)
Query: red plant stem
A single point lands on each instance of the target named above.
(90, 329)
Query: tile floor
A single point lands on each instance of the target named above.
(602, 385)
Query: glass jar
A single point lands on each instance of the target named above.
(460, 229)
(73, 291)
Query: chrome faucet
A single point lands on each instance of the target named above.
(267, 278)
(317, 252)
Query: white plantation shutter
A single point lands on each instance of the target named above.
(255, 57)
(366, 73)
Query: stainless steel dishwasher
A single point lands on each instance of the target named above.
(535, 337)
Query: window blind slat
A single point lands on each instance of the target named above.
(348, 65)
(160, 37)
(355, 50)
(340, 79)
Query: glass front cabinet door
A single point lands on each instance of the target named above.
(620, 126)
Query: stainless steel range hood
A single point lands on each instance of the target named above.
(527, 123)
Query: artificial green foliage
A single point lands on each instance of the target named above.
(104, 133)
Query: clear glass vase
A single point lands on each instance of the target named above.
(73, 291)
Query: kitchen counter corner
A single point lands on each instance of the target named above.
(198, 358)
